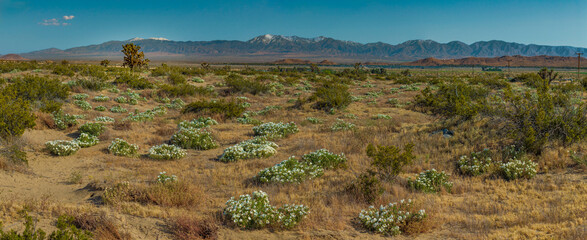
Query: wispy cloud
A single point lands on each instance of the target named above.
(56, 22)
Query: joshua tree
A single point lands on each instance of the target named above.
(547, 75)
(132, 57)
(105, 62)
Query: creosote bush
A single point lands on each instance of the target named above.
(454, 99)
(389, 161)
(255, 212)
(230, 109)
(133, 81)
(237, 83)
(332, 95)
(119, 147)
(16, 117)
(366, 187)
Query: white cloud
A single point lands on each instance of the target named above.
(68, 17)
(56, 22)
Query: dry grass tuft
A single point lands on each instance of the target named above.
(190, 228)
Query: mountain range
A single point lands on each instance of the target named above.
(266, 48)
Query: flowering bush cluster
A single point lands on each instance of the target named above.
(118, 109)
(194, 138)
(518, 168)
(254, 212)
(83, 104)
(430, 181)
(101, 98)
(163, 178)
(62, 147)
(166, 152)
(476, 164)
(341, 125)
(94, 129)
(119, 147)
(325, 159)
(247, 119)
(63, 121)
(81, 96)
(200, 122)
(273, 130)
(100, 108)
(104, 119)
(87, 140)
(391, 219)
(175, 104)
(290, 171)
(257, 147)
(121, 99)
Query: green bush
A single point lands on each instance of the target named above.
(133, 81)
(238, 83)
(194, 138)
(46, 94)
(389, 161)
(176, 78)
(430, 181)
(87, 140)
(273, 130)
(332, 95)
(64, 121)
(67, 229)
(325, 159)
(100, 108)
(119, 147)
(81, 96)
(366, 187)
(183, 90)
(476, 164)
(63, 70)
(94, 129)
(290, 171)
(118, 109)
(341, 125)
(90, 84)
(83, 104)
(230, 109)
(454, 99)
(16, 117)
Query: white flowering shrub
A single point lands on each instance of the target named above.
(257, 147)
(118, 109)
(119, 147)
(87, 140)
(255, 212)
(163, 178)
(273, 130)
(247, 119)
(63, 121)
(290, 171)
(391, 219)
(475, 164)
(341, 125)
(159, 110)
(94, 129)
(81, 96)
(194, 138)
(197, 80)
(175, 104)
(518, 168)
(140, 116)
(325, 159)
(83, 104)
(62, 147)
(104, 119)
(100, 108)
(121, 99)
(200, 122)
(101, 98)
(166, 152)
(431, 181)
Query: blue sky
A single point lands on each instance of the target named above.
(34, 25)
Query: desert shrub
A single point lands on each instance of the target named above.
(194, 138)
(104, 119)
(90, 84)
(366, 187)
(101, 98)
(247, 119)
(94, 129)
(12, 154)
(121, 99)
(381, 116)
(430, 181)
(257, 147)
(163, 178)
(392, 219)
(197, 80)
(180, 90)
(46, 94)
(189, 228)
(119, 147)
(176, 78)
(166, 152)
(80, 96)
(200, 122)
(230, 109)
(148, 115)
(100, 108)
(389, 161)
(62, 147)
(175, 104)
(133, 81)
(290, 171)
(255, 212)
(16, 117)
(66, 229)
(273, 130)
(314, 120)
(63, 70)
(238, 83)
(83, 104)
(454, 99)
(64, 121)
(332, 95)
(584, 83)
(118, 109)
(491, 81)
(325, 159)
(169, 193)
(518, 168)
(476, 164)
(341, 125)
(87, 140)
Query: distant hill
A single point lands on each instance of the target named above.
(269, 48)
(12, 57)
(514, 61)
(293, 61)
